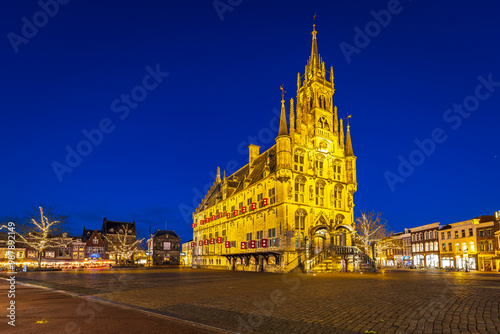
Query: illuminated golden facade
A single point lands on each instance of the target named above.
(293, 200)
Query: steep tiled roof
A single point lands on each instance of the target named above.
(235, 182)
(159, 233)
(112, 227)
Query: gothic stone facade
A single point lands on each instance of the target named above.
(291, 201)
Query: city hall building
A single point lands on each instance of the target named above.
(290, 202)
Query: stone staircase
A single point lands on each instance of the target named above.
(331, 258)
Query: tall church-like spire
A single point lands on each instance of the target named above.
(348, 144)
(283, 130)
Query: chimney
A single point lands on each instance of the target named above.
(253, 153)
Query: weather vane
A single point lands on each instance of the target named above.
(347, 118)
(314, 18)
(282, 92)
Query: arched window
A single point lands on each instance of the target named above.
(320, 193)
(435, 234)
(300, 218)
(421, 236)
(337, 170)
(431, 246)
(337, 194)
(323, 124)
(457, 247)
(472, 248)
(426, 236)
(464, 247)
(319, 164)
(299, 189)
(421, 247)
(413, 248)
(339, 219)
(426, 246)
(298, 160)
(436, 246)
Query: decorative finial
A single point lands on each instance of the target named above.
(347, 119)
(282, 92)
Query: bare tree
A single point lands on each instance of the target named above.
(121, 247)
(42, 235)
(370, 227)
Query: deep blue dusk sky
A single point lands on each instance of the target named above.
(222, 87)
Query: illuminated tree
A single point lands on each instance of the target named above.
(370, 227)
(121, 247)
(41, 235)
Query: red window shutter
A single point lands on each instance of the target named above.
(219, 240)
(228, 244)
(263, 243)
(252, 243)
(212, 241)
(244, 209)
(206, 241)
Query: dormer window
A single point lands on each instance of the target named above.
(95, 240)
(111, 230)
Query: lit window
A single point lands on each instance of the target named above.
(431, 247)
(435, 245)
(472, 248)
(320, 193)
(299, 190)
(337, 170)
(426, 246)
(319, 165)
(300, 217)
(298, 161)
(337, 194)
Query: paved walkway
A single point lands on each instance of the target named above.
(47, 311)
(399, 301)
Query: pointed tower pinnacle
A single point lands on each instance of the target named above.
(292, 118)
(314, 47)
(335, 121)
(217, 178)
(341, 139)
(283, 130)
(224, 176)
(348, 145)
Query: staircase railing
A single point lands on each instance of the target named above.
(326, 253)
